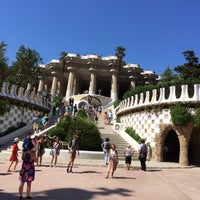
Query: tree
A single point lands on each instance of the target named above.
(120, 54)
(25, 70)
(168, 76)
(191, 69)
(63, 54)
(3, 61)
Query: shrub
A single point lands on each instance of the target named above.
(180, 115)
(89, 135)
(132, 133)
(197, 118)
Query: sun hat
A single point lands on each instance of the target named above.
(16, 139)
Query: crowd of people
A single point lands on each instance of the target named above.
(33, 149)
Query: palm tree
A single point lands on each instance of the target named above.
(120, 54)
(63, 54)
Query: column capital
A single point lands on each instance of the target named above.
(91, 69)
(113, 71)
(70, 69)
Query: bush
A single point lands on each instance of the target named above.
(197, 118)
(180, 115)
(132, 133)
(89, 135)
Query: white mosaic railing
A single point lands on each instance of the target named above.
(138, 101)
(21, 95)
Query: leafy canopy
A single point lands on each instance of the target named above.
(25, 69)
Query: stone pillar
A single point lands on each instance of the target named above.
(70, 84)
(132, 79)
(58, 87)
(184, 134)
(54, 84)
(92, 88)
(114, 87)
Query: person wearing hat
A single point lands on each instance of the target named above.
(14, 155)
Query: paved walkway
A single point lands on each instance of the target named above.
(88, 182)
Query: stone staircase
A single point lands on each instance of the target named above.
(108, 132)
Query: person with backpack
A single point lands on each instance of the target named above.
(106, 147)
(142, 151)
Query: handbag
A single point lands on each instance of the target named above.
(51, 152)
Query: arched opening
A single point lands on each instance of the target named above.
(194, 150)
(171, 147)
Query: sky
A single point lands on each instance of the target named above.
(154, 33)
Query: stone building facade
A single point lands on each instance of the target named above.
(92, 74)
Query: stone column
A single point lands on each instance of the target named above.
(70, 84)
(114, 87)
(54, 84)
(132, 79)
(184, 134)
(92, 88)
(58, 87)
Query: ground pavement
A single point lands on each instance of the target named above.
(88, 183)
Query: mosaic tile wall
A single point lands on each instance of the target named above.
(15, 116)
(146, 124)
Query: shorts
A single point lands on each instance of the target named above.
(128, 160)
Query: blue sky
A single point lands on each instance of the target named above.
(154, 32)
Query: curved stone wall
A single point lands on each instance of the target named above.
(151, 119)
(23, 105)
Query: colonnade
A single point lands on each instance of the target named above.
(73, 83)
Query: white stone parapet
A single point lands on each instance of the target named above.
(138, 100)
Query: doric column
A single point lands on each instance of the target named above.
(132, 79)
(54, 84)
(92, 88)
(58, 87)
(114, 92)
(70, 84)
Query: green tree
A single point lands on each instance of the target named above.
(191, 69)
(168, 76)
(25, 69)
(3, 61)
(63, 54)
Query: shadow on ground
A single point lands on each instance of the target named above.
(71, 193)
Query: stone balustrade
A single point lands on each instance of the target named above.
(139, 101)
(20, 94)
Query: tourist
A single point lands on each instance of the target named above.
(105, 117)
(55, 151)
(73, 147)
(128, 153)
(26, 142)
(40, 149)
(142, 151)
(113, 161)
(14, 155)
(27, 172)
(44, 121)
(106, 148)
(110, 116)
(35, 124)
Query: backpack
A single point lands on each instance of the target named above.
(106, 145)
